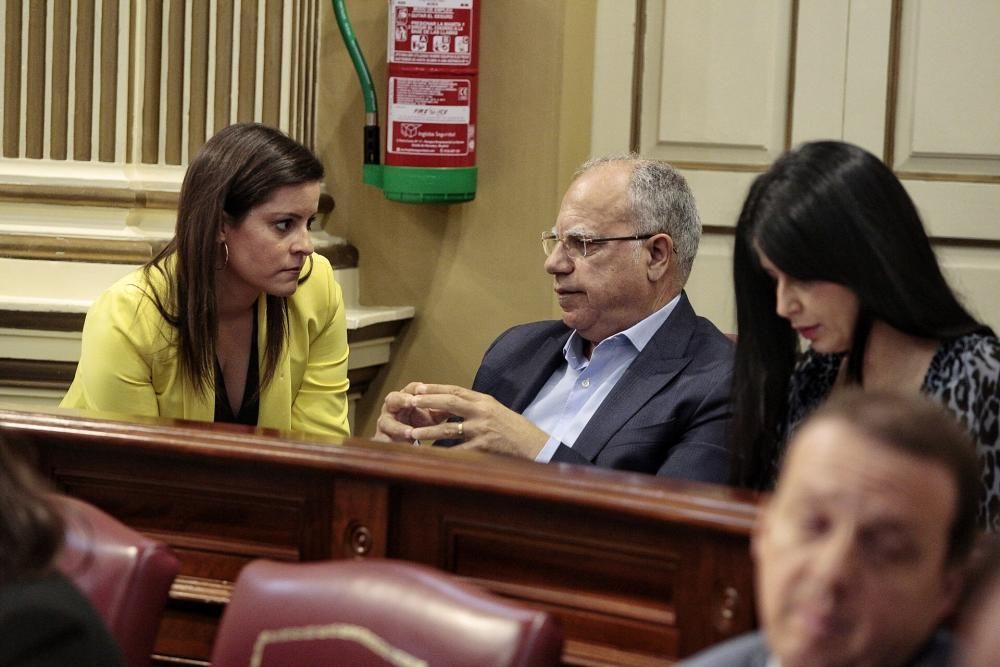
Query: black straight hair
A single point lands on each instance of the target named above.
(828, 211)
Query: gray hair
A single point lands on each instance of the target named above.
(659, 202)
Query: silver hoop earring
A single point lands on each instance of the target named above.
(225, 255)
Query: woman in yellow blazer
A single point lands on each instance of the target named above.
(235, 320)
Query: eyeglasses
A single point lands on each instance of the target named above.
(578, 246)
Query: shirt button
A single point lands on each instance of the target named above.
(585, 383)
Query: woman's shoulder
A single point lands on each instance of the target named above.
(321, 265)
(319, 288)
(982, 346)
(124, 295)
(965, 376)
(975, 356)
(134, 288)
(131, 305)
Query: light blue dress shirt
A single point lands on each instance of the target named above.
(575, 391)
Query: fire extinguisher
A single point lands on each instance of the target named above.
(433, 58)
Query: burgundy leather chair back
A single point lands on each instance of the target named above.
(375, 612)
(125, 575)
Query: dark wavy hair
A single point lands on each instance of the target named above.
(31, 530)
(826, 211)
(238, 168)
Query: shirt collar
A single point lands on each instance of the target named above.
(639, 335)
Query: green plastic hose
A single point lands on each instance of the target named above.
(372, 149)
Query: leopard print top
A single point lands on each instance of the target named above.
(964, 375)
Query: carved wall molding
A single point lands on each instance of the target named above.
(122, 251)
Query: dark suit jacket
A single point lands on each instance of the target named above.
(751, 650)
(46, 622)
(668, 414)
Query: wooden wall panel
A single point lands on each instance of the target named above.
(717, 81)
(946, 109)
(912, 81)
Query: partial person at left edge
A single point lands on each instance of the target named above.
(236, 320)
(45, 621)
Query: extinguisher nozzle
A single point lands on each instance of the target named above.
(373, 150)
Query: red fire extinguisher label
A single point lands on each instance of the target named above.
(430, 116)
(431, 32)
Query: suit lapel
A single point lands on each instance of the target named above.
(536, 371)
(655, 367)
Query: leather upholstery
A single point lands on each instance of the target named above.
(125, 575)
(375, 612)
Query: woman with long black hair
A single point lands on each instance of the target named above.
(830, 249)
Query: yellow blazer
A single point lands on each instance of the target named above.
(128, 361)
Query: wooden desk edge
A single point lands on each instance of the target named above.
(728, 509)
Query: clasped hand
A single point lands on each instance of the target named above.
(422, 411)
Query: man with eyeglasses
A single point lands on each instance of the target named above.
(630, 378)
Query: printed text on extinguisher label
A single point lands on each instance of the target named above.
(431, 32)
(429, 116)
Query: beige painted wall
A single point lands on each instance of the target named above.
(474, 269)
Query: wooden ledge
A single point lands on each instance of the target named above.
(113, 197)
(721, 508)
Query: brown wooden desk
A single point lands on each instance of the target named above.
(640, 570)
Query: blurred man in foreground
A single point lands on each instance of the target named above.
(859, 553)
